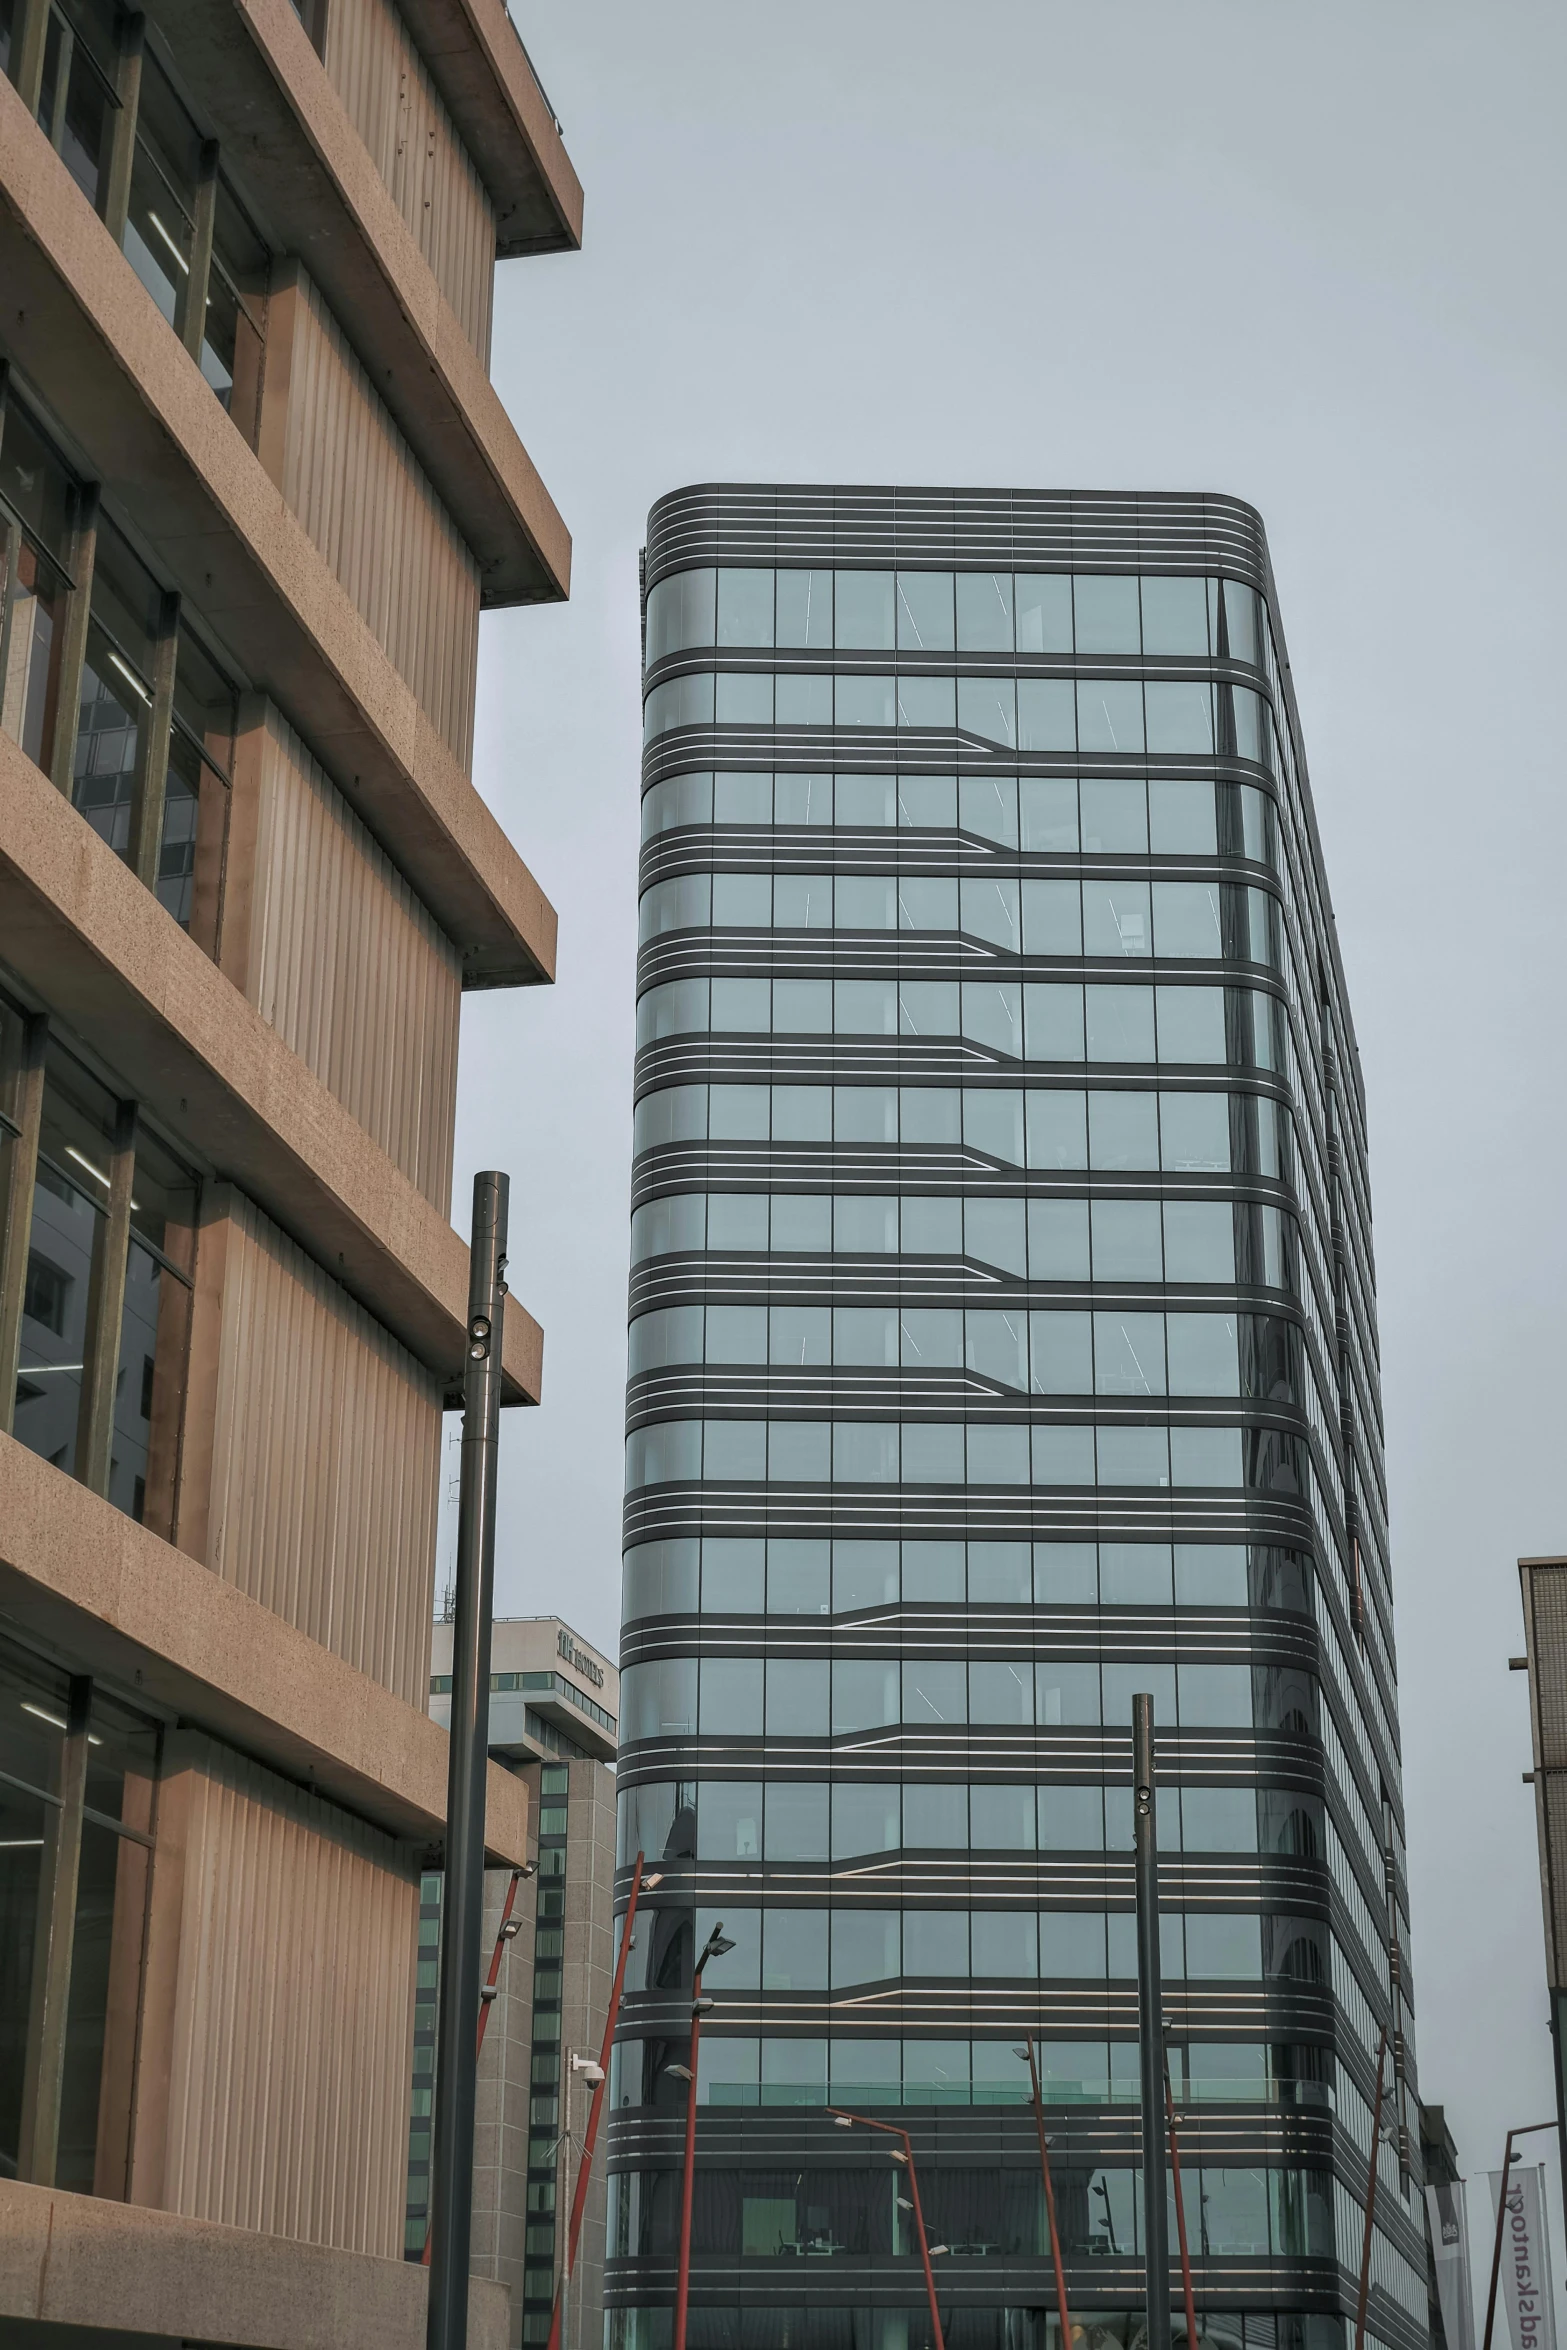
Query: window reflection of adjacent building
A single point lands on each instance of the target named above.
(105, 1280)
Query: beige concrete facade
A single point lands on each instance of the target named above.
(69, 2260)
(245, 878)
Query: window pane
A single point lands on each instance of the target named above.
(797, 1819)
(1106, 614)
(680, 612)
(1047, 721)
(1058, 1239)
(988, 805)
(1114, 814)
(745, 607)
(1109, 714)
(1123, 1130)
(1180, 716)
(987, 707)
(1115, 918)
(1060, 1352)
(984, 600)
(1181, 819)
(1204, 1357)
(925, 611)
(1175, 616)
(1044, 612)
(1057, 1129)
(1119, 1023)
(804, 608)
(1186, 918)
(865, 1819)
(865, 610)
(1052, 918)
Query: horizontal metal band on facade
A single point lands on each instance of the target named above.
(1007, 1511)
(909, 661)
(702, 848)
(889, 1060)
(872, 954)
(917, 1167)
(889, 1879)
(1044, 530)
(1004, 1633)
(1065, 1755)
(645, 2137)
(729, 1277)
(775, 1392)
(913, 750)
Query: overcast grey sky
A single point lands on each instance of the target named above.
(1309, 255)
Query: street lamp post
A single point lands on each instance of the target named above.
(1180, 2209)
(598, 2075)
(1528, 2131)
(1156, 2227)
(1027, 2052)
(903, 2153)
(1371, 2197)
(714, 1947)
(462, 1906)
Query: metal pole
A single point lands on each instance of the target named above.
(579, 2200)
(1150, 2017)
(1050, 2195)
(1527, 2131)
(462, 1906)
(1180, 2209)
(688, 2176)
(503, 1934)
(919, 2222)
(847, 2121)
(1371, 2197)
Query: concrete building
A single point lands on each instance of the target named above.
(553, 1707)
(1003, 1342)
(255, 490)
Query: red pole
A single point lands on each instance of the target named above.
(919, 2222)
(1371, 2197)
(579, 2201)
(688, 2180)
(1528, 2131)
(1180, 2211)
(490, 1981)
(864, 2119)
(1496, 2253)
(1050, 2197)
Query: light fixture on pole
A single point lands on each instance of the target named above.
(903, 2152)
(716, 1945)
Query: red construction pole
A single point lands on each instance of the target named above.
(1050, 2194)
(1527, 2131)
(579, 2201)
(503, 1934)
(846, 2121)
(1371, 2198)
(1180, 2211)
(714, 1947)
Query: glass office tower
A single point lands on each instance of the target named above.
(1003, 1342)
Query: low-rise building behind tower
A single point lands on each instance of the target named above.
(553, 1706)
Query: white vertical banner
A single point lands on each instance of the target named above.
(1524, 2284)
(1447, 2211)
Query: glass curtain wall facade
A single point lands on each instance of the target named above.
(1002, 1343)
